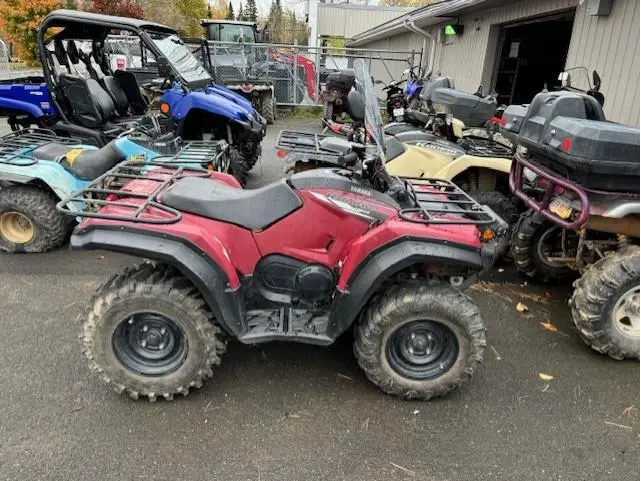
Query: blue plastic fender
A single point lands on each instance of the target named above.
(230, 94)
(34, 100)
(181, 103)
(50, 173)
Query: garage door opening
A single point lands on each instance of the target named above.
(530, 56)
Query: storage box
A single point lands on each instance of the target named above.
(596, 154)
(472, 110)
(437, 83)
(341, 80)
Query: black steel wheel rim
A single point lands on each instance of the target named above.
(422, 350)
(150, 344)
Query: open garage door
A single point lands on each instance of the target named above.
(531, 54)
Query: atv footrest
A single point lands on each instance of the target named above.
(286, 323)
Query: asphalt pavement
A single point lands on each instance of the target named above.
(542, 406)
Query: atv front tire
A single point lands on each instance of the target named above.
(605, 305)
(505, 208)
(531, 239)
(268, 109)
(420, 341)
(29, 221)
(149, 333)
(238, 166)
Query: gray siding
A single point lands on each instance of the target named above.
(610, 45)
(350, 20)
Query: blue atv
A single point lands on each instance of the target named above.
(38, 168)
(94, 92)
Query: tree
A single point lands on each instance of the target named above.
(19, 21)
(121, 8)
(241, 14)
(230, 12)
(219, 9)
(70, 4)
(251, 12)
(192, 11)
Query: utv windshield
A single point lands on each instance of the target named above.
(231, 33)
(373, 119)
(180, 57)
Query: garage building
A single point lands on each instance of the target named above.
(517, 47)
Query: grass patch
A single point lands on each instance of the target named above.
(311, 112)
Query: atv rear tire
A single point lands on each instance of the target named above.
(238, 166)
(528, 244)
(605, 305)
(29, 221)
(420, 341)
(267, 108)
(506, 209)
(149, 333)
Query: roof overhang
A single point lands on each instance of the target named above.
(425, 17)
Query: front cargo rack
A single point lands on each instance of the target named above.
(484, 147)
(440, 201)
(17, 148)
(204, 152)
(110, 190)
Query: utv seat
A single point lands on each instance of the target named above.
(253, 209)
(90, 104)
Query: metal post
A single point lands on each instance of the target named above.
(318, 67)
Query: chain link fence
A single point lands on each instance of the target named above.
(297, 72)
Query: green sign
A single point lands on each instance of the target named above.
(449, 30)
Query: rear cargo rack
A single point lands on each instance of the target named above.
(17, 147)
(442, 202)
(307, 145)
(109, 190)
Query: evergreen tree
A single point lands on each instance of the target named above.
(241, 14)
(230, 12)
(251, 12)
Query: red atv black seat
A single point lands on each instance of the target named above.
(253, 209)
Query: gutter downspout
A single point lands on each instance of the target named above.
(410, 25)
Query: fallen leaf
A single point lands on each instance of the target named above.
(545, 377)
(343, 376)
(402, 468)
(365, 425)
(501, 269)
(533, 297)
(552, 328)
(496, 353)
(520, 307)
(416, 411)
(100, 257)
(618, 425)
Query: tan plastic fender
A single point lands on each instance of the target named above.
(420, 162)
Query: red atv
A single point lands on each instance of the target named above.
(303, 259)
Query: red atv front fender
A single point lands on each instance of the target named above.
(363, 273)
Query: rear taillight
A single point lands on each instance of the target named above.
(566, 145)
(281, 154)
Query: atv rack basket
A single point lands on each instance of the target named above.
(17, 147)
(443, 202)
(482, 147)
(110, 190)
(203, 152)
(307, 145)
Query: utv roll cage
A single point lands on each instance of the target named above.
(77, 25)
